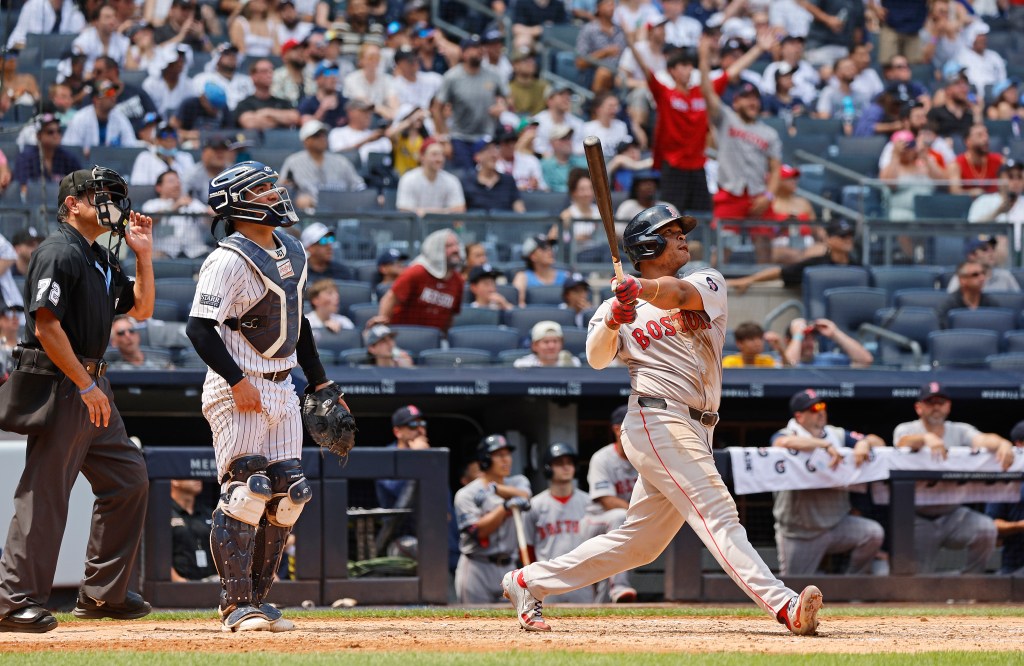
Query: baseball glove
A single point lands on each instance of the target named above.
(328, 422)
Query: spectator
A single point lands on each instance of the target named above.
(578, 220)
(974, 166)
(46, 17)
(326, 104)
(429, 292)
(639, 101)
(789, 206)
(1006, 103)
(783, 103)
(882, 116)
(984, 67)
(434, 53)
(899, 33)
(576, 296)
(949, 526)
(805, 77)
(218, 153)
(101, 124)
(914, 118)
(487, 189)
(261, 110)
(222, 70)
(477, 97)
(681, 30)
(188, 231)
(289, 80)
(382, 350)
(911, 173)
(163, 155)
(254, 31)
(25, 241)
(839, 100)
(983, 251)
(750, 340)
(183, 27)
(971, 276)
(470, 471)
(802, 347)
(546, 348)
(319, 243)
(527, 91)
(476, 255)
(1009, 521)
(1005, 205)
(558, 113)
(539, 254)
(516, 158)
(370, 84)
(325, 299)
(205, 112)
(955, 116)
(390, 264)
(102, 39)
(839, 251)
(810, 524)
(493, 44)
(292, 25)
(408, 134)
(124, 338)
(190, 533)
(132, 100)
(556, 167)
(529, 17)
(837, 26)
(314, 168)
(167, 84)
(642, 195)
(633, 16)
(409, 427)
(413, 86)
(361, 133)
(48, 160)
(429, 188)
(484, 287)
(604, 41)
(143, 50)
(605, 124)
(941, 31)
(897, 70)
(10, 331)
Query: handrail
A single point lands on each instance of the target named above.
(914, 346)
(829, 165)
(776, 312)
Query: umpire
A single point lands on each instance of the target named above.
(73, 289)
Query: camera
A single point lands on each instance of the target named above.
(809, 330)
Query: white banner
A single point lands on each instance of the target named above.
(762, 470)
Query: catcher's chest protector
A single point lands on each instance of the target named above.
(271, 326)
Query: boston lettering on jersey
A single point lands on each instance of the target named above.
(435, 297)
(668, 326)
(557, 527)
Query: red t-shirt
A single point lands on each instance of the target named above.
(970, 175)
(681, 130)
(423, 300)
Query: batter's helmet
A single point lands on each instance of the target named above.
(640, 239)
(227, 196)
(487, 446)
(557, 450)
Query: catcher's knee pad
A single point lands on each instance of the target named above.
(291, 491)
(247, 490)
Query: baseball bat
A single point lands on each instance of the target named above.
(603, 194)
(517, 518)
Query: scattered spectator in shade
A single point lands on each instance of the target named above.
(914, 118)
(254, 30)
(167, 84)
(546, 339)
(487, 189)
(25, 242)
(683, 30)
(558, 113)
(223, 72)
(208, 111)
(1006, 205)
(643, 193)
(539, 254)
(182, 26)
(900, 29)
(85, 128)
(556, 167)
(429, 291)
(101, 38)
(527, 91)
(783, 103)
(429, 188)
(476, 255)
(163, 155)
(261, 110)
(370, 84)
(314, 169)
(984, 67)
(289, 80)
(971, 276)
(190, 533)
(975, 165)
(983, 251)
(484, 287)
(576, 296)
(189, 231)
(911, 173)
(837, 26)
(802, 345)
(1009, 520)
(326, 104)
(882, 115)
(604, 41)
(10, 329)
(833, 102)
(516, 157)
(132, 100)
(578, 220)
(492, 41)
(805, 76)
(605, 123)
(1006, 104)
(789, 206)
(319, 241)
(323, 295)
(46, 161)
(530, 16)
(941, 31)
(390, 264)
(866, 84)
(46, 17)
(413, 86)
(218, 153)
(751, 340)
(382, 349)
(361, 133)
(955, 116)
(898, 70)
(124, 337)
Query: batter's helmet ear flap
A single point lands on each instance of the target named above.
(489, 445)
(558, 450)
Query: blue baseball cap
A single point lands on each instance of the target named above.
(469, 41)
(390, 256)
(483, 143)
(325, 68)
(215, 95)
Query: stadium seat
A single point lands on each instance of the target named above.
(911, 322)
(811, 143)
(523, 319)
(493, 339)
(574, 340)
(120, 159)
(173, 268)
(179, 290)
(352, 292)
(352, 357)
(1013, 341)
(895, 278)
(545, 202)
(1013, 300)
(1007, 361)
(337, 342)
(454, 357)
(509, 356)
(849, 307)
(166, 310)
(477, 317)
(331, 201)
(272, 157)
(1018, 274)
(544, 295)
(366, 271)
(862, 145)
(167, 335)
(942, 207)
(416, 339)
(360, 313)
(282, 139)
(923, 298)
(189, 359)
(962, 347)
(999, 320)
(381, 289)
(819, 278)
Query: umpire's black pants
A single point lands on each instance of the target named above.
(116, 471)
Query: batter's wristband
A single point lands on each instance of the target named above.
(87, 388)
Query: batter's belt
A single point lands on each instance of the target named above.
(706, 419)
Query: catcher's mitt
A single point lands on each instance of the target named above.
(328, 422)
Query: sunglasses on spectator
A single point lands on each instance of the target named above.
(817, 407)
(416, 424)
(125, 331)
(326, 240)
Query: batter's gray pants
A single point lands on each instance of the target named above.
(858, 536)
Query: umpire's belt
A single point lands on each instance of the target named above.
(278, 376)
(500, 560)
(28, 357)
(706, 419)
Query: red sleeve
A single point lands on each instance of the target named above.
(720, 84)
(657, 88)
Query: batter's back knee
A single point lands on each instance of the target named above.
(291, 492)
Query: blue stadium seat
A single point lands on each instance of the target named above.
(454, 357)
(911, 322)
(942, 207)
(1013, 341)
(849, 307)
(360, 313)
(1007, 361)
(544, 295)
(1013, 300)
(494, 339)
(166, 310)
(334, 201)
(924, 298)
(416, 339)
(811, 143)
(819, 278)
(862, 145)
(272, 157)
(999, 320)
(366, 270)
(352, 292)
(962, 347)
(574, 340)
(173, 268)
(476, 317)
(120, 159)
(179, 290)
(352, 357)
(895, 278)
(336, 342)
(381, 289)
(523, 319)
(161, 356)
(509, 356)
(282, 138)
(545, 202)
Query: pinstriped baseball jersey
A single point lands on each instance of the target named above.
(677, 354)
(609, 475)
(228, 286)
(553, 523)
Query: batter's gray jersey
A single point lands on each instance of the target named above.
(609, 475)
(475, 500)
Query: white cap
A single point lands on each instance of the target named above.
(545, 329)
(313, 233)
(974, 30)
(311, 127)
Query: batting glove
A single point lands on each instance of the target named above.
(623, 313)
(628, 290)
(520, 503)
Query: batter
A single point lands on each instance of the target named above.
(669, 331)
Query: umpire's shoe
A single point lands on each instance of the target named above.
(132, 608)
(29, 620)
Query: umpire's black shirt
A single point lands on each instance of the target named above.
(69, 277)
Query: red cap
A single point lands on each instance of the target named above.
(289, 45)
(427, 143)
(787, 171)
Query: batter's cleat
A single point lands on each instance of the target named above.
(245, 618)
(801, 614)
(132, 608)
(29, 620)
(623, 595)
(528, 608)
(275, 622)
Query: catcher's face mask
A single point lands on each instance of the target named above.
(107, 192)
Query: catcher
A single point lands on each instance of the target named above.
(247, 324)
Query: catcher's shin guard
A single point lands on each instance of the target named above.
(291, 493)
(271, 542)
(233, 532)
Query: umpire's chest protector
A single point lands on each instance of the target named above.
(271, 326)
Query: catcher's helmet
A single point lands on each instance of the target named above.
(489, 445)
(640, 239)
(107, 191)
(227, 190)
(557, 450)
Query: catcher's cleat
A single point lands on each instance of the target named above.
(245, 618)
(801, 614)
(528, 608)
(275, 622)
(623, 595)
(132, 608)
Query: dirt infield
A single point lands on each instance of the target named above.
(857, 635)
